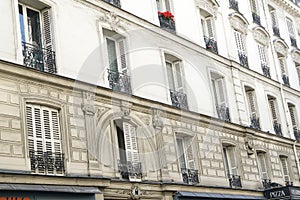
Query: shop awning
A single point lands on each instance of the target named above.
(50, 188)
(204, 195)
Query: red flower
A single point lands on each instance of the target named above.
(167, 15)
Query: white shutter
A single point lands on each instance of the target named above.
(210, 27)
(273, 109)
(47, 29)
(167, 5)
(130, 142)
(282, 66)
(178, 72)
(254, 6)
(263, 165)
(170, 75)
(239, 41)
(262, 54)
(290, 27)
(180, 153)
(232, 160)
(273, 19)
(285, 169)
(220, 91)
(189, 154)
(122, 51)
(298, 72)
(292, 114)
(112, 54)
(251, 102)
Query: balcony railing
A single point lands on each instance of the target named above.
(119, 81)
(46, 162)
(190, 176)
(114, 2)
(234, 181)
(179, 100)
(243, 59)
(130, 169)
(277, 128)
(256, 18)
(223, 112)
(234, 5)
(255, 123)
(289, 183)
(167, 24)
(285, 80)
(211, 44)
(276, 31)
(267, 184)
(297, 133)
(293, 42)
(38, 58)
(266, 70)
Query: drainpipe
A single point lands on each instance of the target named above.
(297, 159)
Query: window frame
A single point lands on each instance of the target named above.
(229, 148)
(173, 60)
(185, 148)
(286, 177)
(264, 154)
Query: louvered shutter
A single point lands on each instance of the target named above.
(130, 142)
(273, 109)
(170, 76)
(239, 41)
(262, 54)
(178, 72)
(251, 101)
(285, 169)
(232, 161)
(263, 165)
(112, 55)
(292, 114)
(282, 65)
(189, 154)
(122, 51)
(273, 19)
(167, 5)
(180, 153)
(220, 91)
(298, 72)
(210, 28)
(290, 27)
(254, 6)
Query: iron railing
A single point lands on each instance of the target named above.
(167, 24)
(285, 80)
(243, 59)
(293, 42)
(277, 128)
(119, 81)
(289, 183)
(211, 44)
(276, 31)
(223, 112)
(255, 122)
(234, 5)
(267, 184)
(38, 58)
(46, 162)
(256, 18)
(266, 70)
(179, 99)
(114, 2)
(234, 181)
(130, 169)
(296, 133)
(190, 176)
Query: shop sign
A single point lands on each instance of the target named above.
(14, 198)
(277, 193)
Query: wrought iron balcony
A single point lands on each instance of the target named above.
(267, 184)
(167, 24)
(114, 2)
(277, 128)
(38, 58)
(276, 31)
(243, 59)
(289, 183)
(266, 70)
(234, 181)
(255, 123)
(256, 18)
(130, 169)
(179, 100)
(297, 133)
(293, 42)
(211, 44)
(234, 5)
(285, 80)
(190, 176)
(119, 81)
(46, 162)
(223, 112)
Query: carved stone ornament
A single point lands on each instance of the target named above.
(280, 48)
(296, 57)
(126, 109)
(208, 6)
(249, 145)
(135, 193)
(88, 103)
(157, 121)
(261, 37)
(111, 21)
(238, 24)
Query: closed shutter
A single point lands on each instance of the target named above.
(122, 51)
(263, 165)
(220, 91)
(48, 41)
(112, 55)
(254, 6)
(170, 75)
(282, 66)
(290, 27)
(180, 153)
(167, 5)
(298, 72)
(210, 27)
(292, 114)
(251, 101)
(189, 154)
(274, 19)
(272, 104)
(239, 42)
(232, 161)
(262, 54)
(130, 142)
(178, 72)
(285, 169)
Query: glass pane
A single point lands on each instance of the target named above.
(170, 76)
(181, 153)
(21, 18)
(112, 55)
(34, 30)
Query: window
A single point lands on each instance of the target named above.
(262, 163)
(284, 74)
(291, 31)
(185, 156)
(285, 169)
(129, 163)
(219, 91)
(298, 72)
(274, 114)
(255, 12)
(252, 107)
(36, 36)
(117, 62)
(175, 80)
(207, 23)
(231, 165)
(240, 44)
(163, 5)
(294, 120)
(44, 140)
(274, 22)
(263, 60)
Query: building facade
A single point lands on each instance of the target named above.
(158, 99)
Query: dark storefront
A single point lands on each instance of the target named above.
(46, 192)
(287, 192)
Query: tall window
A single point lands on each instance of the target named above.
(231, 165)
(262, 163)
(207, 23)
(129, 162)
(290, 27)
(274, 22)
(241, 50)
(36, 36)
(44, 139)
(163, 5)
(219, 91)
(252, 107)
(285, 168)
(255, 12)
(263, 60)
(274, 114)
(176, 81)
(117, 62)
(283, 68)
(294, 120)
(298, 72)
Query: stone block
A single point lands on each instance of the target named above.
(18, 149)
(10, 136)
(23, 88)
(14, 99)
(211, 172)
(15, 124)
(76, 155)
(54, 94)
(4, 148)
(4, 96)
(33, 89)
(76, 122)
(4, 122)
(218, 156)
(205, 163)
(9, 110)
(221, 173)
(6, 85)
(78, 144)
(247, 169)
(215, 164)
(63, 97)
